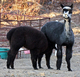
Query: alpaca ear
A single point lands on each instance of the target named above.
(62, 5)
(71, 6)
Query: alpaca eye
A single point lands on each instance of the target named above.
(65, 10)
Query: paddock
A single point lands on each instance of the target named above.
(24, 68)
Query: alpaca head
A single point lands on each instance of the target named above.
(67, 11)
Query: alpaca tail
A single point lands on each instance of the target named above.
(10, 33)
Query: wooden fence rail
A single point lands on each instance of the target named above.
(4, 30)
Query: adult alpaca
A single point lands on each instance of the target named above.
(30, 38)
(62, 35)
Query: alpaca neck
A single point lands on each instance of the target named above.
(67, 23)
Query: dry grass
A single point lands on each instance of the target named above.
(76, 30)
(32, 8)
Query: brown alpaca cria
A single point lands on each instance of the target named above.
(30, 38)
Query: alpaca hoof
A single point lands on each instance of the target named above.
(13, 68)
(69, 70)
(50, 68)
(8, 67)
(58, 69)
(35, 68)
(40, 67)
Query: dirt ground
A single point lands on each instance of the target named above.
(23, 68)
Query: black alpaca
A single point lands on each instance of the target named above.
(47, 53)
(31, 39)
(62, 35)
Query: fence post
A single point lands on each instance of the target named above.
(24, 17)
(0, 20)
(79, 16)
(30, 22)
(49, 19)
(39, 24)
(18, 19)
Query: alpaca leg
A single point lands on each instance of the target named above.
(47, 56)
(39, 60)
(34, 59)
(12, 65)
(12, 61)
(8, 60)
(59, 57)
(11, 58)
(34, 62)
(68, 57)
